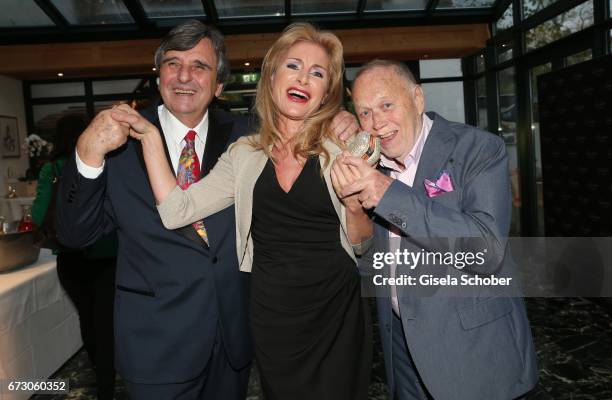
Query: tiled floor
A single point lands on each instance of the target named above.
(572, 338)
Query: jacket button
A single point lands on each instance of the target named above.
(403, 224)
(215, 259)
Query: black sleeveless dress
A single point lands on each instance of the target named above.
(311, 328)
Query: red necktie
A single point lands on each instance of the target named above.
(188, 172)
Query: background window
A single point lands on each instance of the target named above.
(504, 52)
(531, 7)
(446, 4)
(94, 12)
(46, 116)
(19, 13)
(395, 5)
(564, 24)
(115, 86)
(445, 98)
(440, 68)
(321, 7)
(480, 63)
(481, 103)
(535, 131)
(506, 21)
(173, 9)
(241, 8)
(583, 56)
(64, 89)
(507, 130)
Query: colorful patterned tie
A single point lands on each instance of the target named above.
(188, 172)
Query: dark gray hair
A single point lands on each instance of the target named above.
(186, 36)
(399, 67)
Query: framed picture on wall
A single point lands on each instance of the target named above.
(9, 137)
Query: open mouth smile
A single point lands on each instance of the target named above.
(184, 91)
(387, 137)
(297, 95)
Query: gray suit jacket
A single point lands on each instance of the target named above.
(477, 347)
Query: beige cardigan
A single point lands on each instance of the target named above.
(232, 180)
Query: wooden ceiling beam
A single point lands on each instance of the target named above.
(107, 59)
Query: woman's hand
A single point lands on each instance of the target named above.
(160, 175)
(140, 128)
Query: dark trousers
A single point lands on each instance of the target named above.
(408, 383)
(219, 380)
(90, 285)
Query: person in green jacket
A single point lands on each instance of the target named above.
(87, 275)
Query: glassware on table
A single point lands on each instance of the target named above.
(26, 224)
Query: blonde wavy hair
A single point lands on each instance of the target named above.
(317, 126)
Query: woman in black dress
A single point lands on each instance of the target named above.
(310, 326)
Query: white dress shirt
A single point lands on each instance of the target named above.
(174, 134)
(406, 176)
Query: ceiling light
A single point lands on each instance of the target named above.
(154, 69)
(246, 64)
(60, 74)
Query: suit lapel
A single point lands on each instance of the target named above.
(216, 141)
(153, 117)
(436, 152)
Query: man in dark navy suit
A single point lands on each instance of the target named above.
(181, 303)
(181, 316)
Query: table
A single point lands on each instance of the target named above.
(39, 327)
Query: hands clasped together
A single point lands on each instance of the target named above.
(358, 184)
(109, 130)
(137, 126)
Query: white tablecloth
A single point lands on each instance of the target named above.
(39, 327)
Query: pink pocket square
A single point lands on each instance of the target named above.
(442, 185)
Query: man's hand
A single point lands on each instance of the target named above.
(139, 127)
(345, 125)
(358, 223)
(102, 136)
(370, 187)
